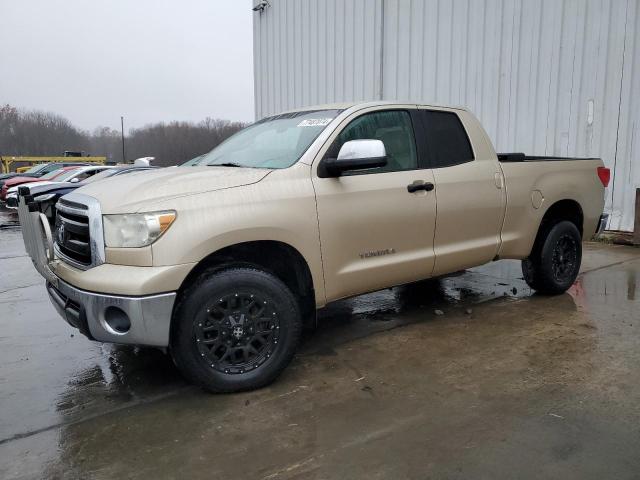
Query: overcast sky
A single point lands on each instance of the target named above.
(149, 60)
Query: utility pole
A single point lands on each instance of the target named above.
(122, 133)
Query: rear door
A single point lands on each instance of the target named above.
(468, 188)
(374, 232)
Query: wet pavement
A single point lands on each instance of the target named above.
(470, 376)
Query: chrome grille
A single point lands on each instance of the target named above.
(72, 233)
(81, 243)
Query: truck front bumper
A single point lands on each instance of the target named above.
(144, 320)
(129, 319)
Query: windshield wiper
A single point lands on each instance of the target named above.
(226, 164)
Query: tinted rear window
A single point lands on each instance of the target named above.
(448, 143)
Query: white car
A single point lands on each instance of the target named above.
(73, 176)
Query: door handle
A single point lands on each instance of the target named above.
(415, 186)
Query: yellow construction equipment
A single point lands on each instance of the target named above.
(6, 161)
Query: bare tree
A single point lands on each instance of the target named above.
(45, 133)
(177, 142)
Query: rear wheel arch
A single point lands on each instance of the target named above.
(566, 209)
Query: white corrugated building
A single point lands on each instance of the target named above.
(546, 77)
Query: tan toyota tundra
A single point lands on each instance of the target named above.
(223, 263)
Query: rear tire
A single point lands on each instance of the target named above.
(235, 330)
(555, 260)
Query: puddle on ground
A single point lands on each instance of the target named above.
(8, 220)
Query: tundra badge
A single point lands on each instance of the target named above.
(377, 253)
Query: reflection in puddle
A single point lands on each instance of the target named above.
(609, 287)
(123, 374)
(8, 220)
(356, 317)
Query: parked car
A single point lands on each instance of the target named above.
(222, 263)
(75, 174)
(46, 194)
(66, 174)
(15, 181)
(42, 169)
(72, 175)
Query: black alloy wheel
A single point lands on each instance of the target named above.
(235, 329)
(564, 258)
(237, 333)
(555, 260)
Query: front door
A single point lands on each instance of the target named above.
(374, 232)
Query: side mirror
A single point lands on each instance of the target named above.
(74, 180)
(357, 155)
(143, 161)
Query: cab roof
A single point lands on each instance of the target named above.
(376, 103)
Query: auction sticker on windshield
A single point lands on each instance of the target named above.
(315, 122)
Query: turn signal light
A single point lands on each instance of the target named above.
(604, 174)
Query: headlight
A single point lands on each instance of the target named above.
(135, 229)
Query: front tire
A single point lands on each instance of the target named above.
(235, 330)
(555, 260)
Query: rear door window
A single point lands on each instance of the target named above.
(446, 139)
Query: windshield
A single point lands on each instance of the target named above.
(112, 172)
(53, 174)
(64, 176)
(37, 168)
(274, 142)
(100, 175)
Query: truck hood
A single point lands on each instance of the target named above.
(139, 190)
(10, 182)
(34, 184)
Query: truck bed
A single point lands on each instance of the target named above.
(521, 157)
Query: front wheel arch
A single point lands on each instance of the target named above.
(277, 258)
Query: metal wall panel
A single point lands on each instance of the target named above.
(309, 52)
(627, 158)
(547, 77)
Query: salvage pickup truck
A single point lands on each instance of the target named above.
(224, 262)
